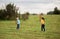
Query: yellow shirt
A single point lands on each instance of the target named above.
(42, 21)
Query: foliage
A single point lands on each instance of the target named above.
(56, 11)
(25, 16)
(9, 13)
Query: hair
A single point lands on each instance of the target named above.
(43, 18)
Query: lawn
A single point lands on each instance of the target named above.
(31, 29)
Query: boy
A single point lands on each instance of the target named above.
(18, 23)
(42, 24)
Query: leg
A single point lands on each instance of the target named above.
(44, 27)
(17, 26)
(41, 27)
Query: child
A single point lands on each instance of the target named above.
(42, 24)
(18, 23)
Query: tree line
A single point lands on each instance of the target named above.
(55, 12)
(11, 12)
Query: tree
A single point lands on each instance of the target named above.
(50, 12)
(9, 13)
(25, 16)
(56, 11)
(3, 14)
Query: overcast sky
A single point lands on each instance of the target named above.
(33, 6)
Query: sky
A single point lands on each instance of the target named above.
(32, 6)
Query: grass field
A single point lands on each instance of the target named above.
(30, 29)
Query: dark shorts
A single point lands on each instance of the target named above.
(43, 25)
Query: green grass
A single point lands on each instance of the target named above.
(31, 29)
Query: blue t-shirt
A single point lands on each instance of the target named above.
(18, 21)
